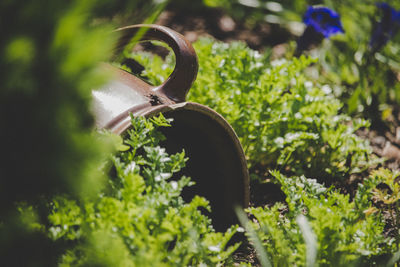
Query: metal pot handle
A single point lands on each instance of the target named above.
(177, 85)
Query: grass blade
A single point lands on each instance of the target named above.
(309, 239)
(261, 252)
(395, 259)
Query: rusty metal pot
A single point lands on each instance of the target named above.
(216, 159)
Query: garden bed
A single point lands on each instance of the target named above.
(315, 117)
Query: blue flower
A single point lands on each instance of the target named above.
(321, 22)
(386, 28)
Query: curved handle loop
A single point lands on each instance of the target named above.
(177, 85)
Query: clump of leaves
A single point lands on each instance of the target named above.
(283, 120)
(321, 226)
(386, 197)
(140, 219)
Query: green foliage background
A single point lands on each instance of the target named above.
(364, 80)
(49, 57)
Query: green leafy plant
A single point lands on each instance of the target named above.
(322, 226)
(140, 219)
(284, 121)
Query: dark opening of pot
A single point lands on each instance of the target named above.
(216, 162)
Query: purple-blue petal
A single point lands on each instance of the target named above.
(386, 28)
(324, 20)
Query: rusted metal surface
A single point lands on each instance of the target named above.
(216, 160)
